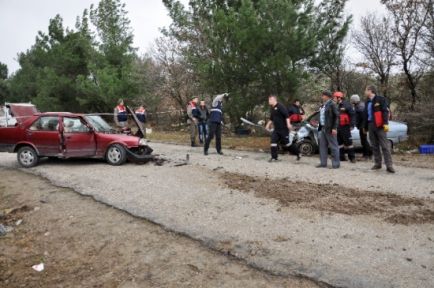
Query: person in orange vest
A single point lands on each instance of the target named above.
(347, 121)
(296, 112)
(121, 114)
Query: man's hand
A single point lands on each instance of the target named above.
(364, 131)
(334, 132)
(386, 128)
(290, 127)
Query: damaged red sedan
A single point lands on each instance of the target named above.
(68, 135)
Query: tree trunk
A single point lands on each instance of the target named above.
(411, 86)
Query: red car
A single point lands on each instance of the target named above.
(68, 135)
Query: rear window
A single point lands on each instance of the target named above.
(46, 123)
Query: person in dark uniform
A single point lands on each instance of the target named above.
(141, 114)
(377, 124)
(215, 123)
(121, 114)
(359, 109)
(347, 121)
(279, 117)
(296, 112)
(328, 131)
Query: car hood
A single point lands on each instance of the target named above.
(130, 141)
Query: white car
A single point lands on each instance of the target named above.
(307, 134)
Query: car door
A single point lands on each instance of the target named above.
(44, 134)
(78, 138)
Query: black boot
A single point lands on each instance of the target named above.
(193, 144)
(342, 154)
(352, 155)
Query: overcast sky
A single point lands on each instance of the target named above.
(20, 20)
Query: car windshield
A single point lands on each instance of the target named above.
(99, 124)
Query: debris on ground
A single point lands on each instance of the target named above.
(39, 267)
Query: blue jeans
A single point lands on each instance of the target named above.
(203, 131)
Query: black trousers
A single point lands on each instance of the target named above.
(345, 141)
(367, 150)
(282, 137)
(215, 129)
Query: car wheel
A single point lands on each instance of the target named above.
(306, 148)
(27, 157)
(116, 155)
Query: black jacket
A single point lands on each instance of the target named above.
(294, 109)
(331, 117)
(379, 103)
(346, 107)
(359, 109)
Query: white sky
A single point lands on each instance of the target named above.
(20, 20)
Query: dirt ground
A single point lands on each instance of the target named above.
(334, 198)
(262, 143)
(84, 243)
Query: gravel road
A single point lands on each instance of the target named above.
(330, 246)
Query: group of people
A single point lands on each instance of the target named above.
(208, 122)
(121, 115)
(338, 117)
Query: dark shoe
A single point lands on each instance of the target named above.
(376, 167)
(320, 166)
(220, 152)
(335, 167)
(390, 170)
(205, 153)
(193, 144)
(353, 160)
(298, 157)
(273, 160)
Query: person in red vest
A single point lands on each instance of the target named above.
(296, 112)
(347, 121)
(141, 114)
(121, 114)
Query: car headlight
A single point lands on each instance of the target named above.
(143, 142)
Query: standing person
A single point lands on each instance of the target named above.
(328, 130)
(121, 115)
(296, 112)
(203, 118)
(377, 124)
(215, 123)
(359, 109)
(347, 121)
(141, 114)
(279, 117)
(192, 114)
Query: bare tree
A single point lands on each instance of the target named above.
(409, 21)
(374, 42)
(428, 35)
(179, 80)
